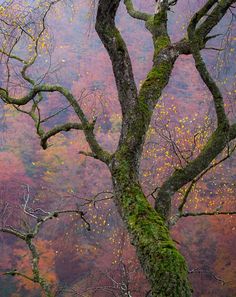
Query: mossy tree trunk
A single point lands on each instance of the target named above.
(165, 268)
(162, 263)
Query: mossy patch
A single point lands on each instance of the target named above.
(159, 257)
(160, 43)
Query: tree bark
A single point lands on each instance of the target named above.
(162, 263)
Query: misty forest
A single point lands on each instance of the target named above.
(117, 148)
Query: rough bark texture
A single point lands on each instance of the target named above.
(164, 266)
(162, 263)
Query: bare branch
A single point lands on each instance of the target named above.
(12, 231)
(26, 199)
(172, 2)
(218, 141)
(186, 194)
(205, 271)
(135, 13)
(55, 114)
(195, 180)
(65, 127)
(213, 18)
(212, 213)
(17, 273)
(14, 57)
(32, 60)
(95, 199)
(85, 125)
(173, 220)
(195, 46)
(118, 52)
(87, 154)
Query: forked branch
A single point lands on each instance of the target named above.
(35, 96)
(196, 37)
(181, 213)
(224, 133)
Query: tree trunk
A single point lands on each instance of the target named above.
(162, 263)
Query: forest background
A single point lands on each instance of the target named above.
(78, 259)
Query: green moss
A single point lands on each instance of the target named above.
(163, 264)
(156, 75)
(122, 174)
(149, 23)
(153, 75)
(160, 18)
(161, 260)
(143, 108)
(3, 93)
(156, 80)
(218, 138)
(156, 24)
(159, 74)
(160, 43)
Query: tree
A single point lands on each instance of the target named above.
(148, 226)
(28, 232)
